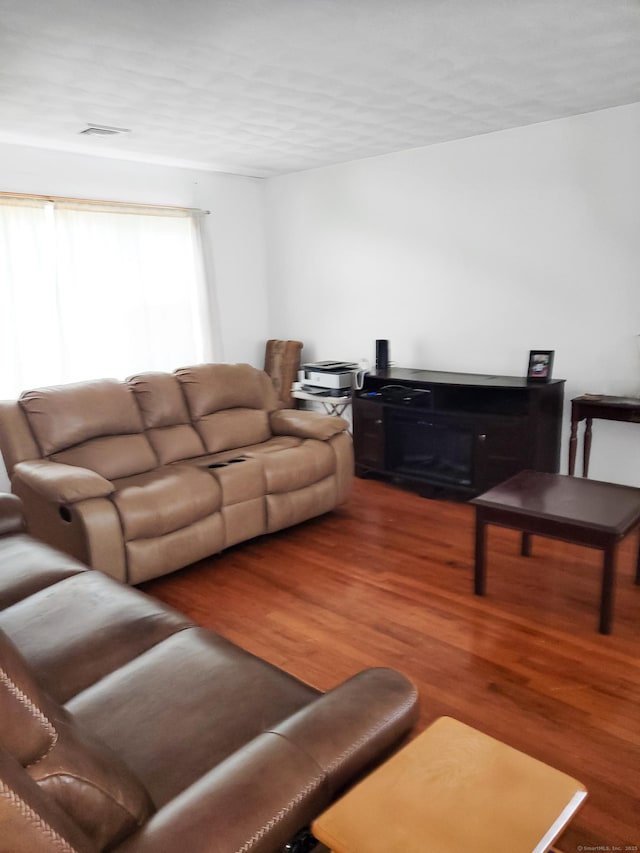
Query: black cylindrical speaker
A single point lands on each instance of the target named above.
(382, 355)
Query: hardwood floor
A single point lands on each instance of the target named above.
(387, 580)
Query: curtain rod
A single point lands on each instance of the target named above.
(133, 204)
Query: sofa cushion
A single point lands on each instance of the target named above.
(89, 782)
(151, 558)
(297, 467)
(287, 508)
(76, 631)
(94, 425)
(177, 711)
(240, 481)
(111, 456)
(233, 428)
(228, 404)
(29, 565)
(213, 387)
(65, 415)
(272, 445)
(159, 398)
(165, 500)
(175, 443)
(165, 416)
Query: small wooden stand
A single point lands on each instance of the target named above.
(453, 789)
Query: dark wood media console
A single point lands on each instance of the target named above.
(461, 431)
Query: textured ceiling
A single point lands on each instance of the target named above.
(265, 87)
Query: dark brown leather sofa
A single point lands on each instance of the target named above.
(124, 726)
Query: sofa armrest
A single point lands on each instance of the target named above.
(62, 483)
(30, 819)
(253, 802)
(11, 517)
(257, 799)
(352, 726)
(306, 424)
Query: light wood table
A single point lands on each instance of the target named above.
(453, 789)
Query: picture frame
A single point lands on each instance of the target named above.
(540, 365)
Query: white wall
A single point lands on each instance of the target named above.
(467, 255)
(235, 228)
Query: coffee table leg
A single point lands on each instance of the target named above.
(606, 600)
(480, 558)
(525, 546)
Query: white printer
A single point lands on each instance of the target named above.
(333, 378)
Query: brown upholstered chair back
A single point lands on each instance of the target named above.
(282, 363)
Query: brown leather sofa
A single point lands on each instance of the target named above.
(124, 726)
(143, 477)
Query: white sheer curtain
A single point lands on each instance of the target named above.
(90, 290)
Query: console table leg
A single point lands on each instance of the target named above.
(479, 585)
(606, 600)
(525, 546)
(586, 453)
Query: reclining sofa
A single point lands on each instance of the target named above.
(142, 477)
(125, 727)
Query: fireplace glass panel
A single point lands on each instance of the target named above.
(439, 451)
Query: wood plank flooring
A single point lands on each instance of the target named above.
(387, 580)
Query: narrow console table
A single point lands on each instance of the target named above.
(605, 407)
(459, 431)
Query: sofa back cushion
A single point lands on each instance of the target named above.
(165, 416)
(112, 456)
(213, 387)
(95, 425)
(86, 780)
(234, 428)
(229, 404)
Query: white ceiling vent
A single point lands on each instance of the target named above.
(103, 130)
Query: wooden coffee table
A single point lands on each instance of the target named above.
(585, 512)
(453, 789)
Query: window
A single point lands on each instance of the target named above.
(91, 290)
